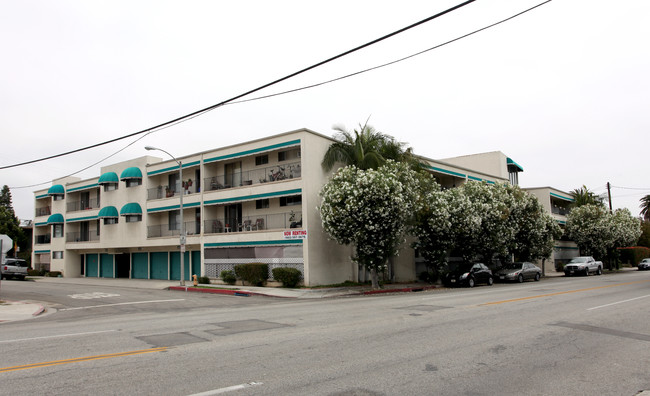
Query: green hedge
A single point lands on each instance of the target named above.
(254, 274)
(53, 274)
(228, 277)
(290, 277)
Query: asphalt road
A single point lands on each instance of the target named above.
(562, 336)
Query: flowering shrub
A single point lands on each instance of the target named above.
(369, 209)
(597, 231)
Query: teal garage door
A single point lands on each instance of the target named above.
(176, 265)
(140, 263)
(92, 266)
(106, 265)
(196, 263)
(159, 265)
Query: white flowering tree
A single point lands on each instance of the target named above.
(486, 228)
(598, 232)
(370, 209)
(535, 228)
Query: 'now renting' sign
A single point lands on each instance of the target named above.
(295, 234)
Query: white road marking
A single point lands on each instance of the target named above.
(89, 296)
(618, 302)
(57, 336)
(228, 389)
(124, 303)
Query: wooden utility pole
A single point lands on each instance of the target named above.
(609, 196)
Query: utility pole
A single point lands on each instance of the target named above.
(609, 196)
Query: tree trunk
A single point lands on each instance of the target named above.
(374, 278)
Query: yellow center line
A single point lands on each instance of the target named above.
(559, 293)
(80, 359)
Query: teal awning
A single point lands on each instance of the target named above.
(516, 166)
(56, 218)
(56, 189)
(108, 212)
(132, 208)
(108, 178)
(131, 173)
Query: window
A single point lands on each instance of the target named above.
(290, 201)
(110, 187)
(288, 154)
(174, 220)
(58, 197)
(262, 159)
(57, 255)
(58, 230)
(112, 220)
(133, 182)
(133, 218)
(262, 204)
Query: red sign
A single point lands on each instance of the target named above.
(295, 234)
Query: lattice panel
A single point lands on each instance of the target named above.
(213, 267)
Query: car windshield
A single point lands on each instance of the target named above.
(645, 261)
(579, 260)
(512, 266)
(453, 267)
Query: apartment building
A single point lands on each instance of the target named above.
(558, 204)
(251, 202)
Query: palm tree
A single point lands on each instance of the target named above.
(645, 207)
(365, 148)
(582, 196)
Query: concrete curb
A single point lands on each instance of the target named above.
(231, 292)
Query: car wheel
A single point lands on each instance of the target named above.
(600, 271)
(520, 278)
(470, 282)
(537, 277)
(490, 281)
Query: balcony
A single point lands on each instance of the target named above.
(559, 210)
(171, 230)
(168, 191)
(45, 211)
(82, 205)
(43, 239)
(253, 223)
(82, 236)
(255, 176)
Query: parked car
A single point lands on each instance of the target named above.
(519, 271)
(644, 264)
(16, 268)
(583, 265)
(467, 274)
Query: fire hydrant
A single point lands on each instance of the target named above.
(196, 280)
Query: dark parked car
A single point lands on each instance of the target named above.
(464, 274)
(518, 272)
(644, 264)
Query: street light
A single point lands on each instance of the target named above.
(182, 236)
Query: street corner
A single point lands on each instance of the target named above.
(11, 311)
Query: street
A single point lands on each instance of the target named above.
(559, 336)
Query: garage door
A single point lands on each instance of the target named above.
(176, 265)
(159, 265)
(106, 265)
(140, 263)
(92, 265)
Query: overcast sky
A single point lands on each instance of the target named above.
(563, 90)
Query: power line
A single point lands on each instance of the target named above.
(210, 108)
(388, 63)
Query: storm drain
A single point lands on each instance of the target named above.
(243, 326)
(169, 340)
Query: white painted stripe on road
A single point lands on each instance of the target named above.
(57, 336)
(228, 389)
(618, 302)
(124, 303)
